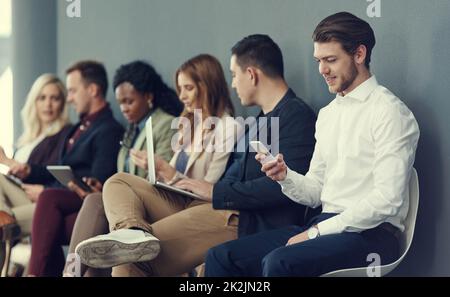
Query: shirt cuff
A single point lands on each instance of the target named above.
(330, 226)
(288, 182)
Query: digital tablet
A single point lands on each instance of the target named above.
(64, 175)
(15, 180)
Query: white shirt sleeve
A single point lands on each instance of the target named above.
(395, 134)
(306, 189)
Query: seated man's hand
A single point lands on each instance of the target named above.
(298, 238)
(95, 187)
(276, 169)
(199, 187)
(33, 191)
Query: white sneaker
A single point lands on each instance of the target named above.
(118, 247)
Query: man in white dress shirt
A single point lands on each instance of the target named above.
(359, 173)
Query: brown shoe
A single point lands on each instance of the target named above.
(6, 218)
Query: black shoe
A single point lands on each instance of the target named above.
(10, 232)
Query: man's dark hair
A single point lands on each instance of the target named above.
(92, 72)
(347, 29)
(262, 52)
(146, 80)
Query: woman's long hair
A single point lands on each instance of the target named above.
(32, 126)
(213, 94)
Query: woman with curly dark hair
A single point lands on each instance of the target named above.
(140, 93)
(149, 84)
(202, 148)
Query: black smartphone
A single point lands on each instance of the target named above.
(79, 182)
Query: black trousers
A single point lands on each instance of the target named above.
(266, 253)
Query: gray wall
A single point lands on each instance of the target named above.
(411, 58)
(34, 48)
(5, 49)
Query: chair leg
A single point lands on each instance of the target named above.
(2, 256)
(9, 234)
(7, 258)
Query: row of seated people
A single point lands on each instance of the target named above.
(247, 220)
(92, 149)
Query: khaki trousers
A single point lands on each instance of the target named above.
(91, 221)
(15, 201)
(186, 227)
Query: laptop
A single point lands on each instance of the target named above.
(151, 165)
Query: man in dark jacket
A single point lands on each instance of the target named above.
(258, 77)
(246, 201)
(90, 149)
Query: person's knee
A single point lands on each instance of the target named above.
(126, 181)
(211, 255)
(49, 197)
(93, 202)
(211, 260)
(276, 263)
(218, 256)
(113, 181)
(285, 262)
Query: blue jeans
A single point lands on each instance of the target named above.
(266, 253)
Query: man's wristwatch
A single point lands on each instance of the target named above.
(313, 232)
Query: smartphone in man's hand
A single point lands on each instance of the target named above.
(259, 147)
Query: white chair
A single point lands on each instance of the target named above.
(405, 239)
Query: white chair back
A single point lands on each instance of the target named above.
(405, 239)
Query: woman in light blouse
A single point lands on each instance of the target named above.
(133, 203)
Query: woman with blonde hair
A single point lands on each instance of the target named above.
(144, 219)
(45, 123)
(39, 121)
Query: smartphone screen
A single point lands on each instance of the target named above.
(259, 147)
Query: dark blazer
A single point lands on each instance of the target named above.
(48, 150)
(94, 154)
(259, 200)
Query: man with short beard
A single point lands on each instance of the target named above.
(362, 162)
